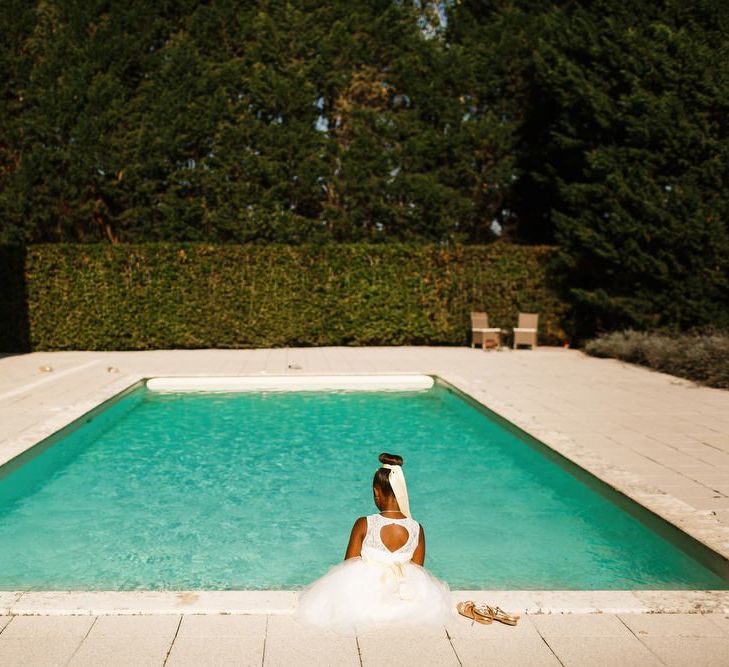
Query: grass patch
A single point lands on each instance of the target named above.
(703, 358)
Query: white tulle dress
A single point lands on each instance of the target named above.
(380, 587)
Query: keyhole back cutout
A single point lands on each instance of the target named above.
(394, 537)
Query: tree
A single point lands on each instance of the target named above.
(270, 121)
(632, 168)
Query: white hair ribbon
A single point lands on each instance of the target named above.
(399, 488)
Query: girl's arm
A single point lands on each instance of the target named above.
(359, 531)
(419, 555)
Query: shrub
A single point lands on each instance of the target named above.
(135, 297)
(703, 358)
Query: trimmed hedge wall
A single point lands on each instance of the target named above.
(136, 297)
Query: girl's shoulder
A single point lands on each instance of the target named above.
(360, 527)
(416, 526)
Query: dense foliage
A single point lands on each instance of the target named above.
(635, 161)
(236, 122)
(597, 126)
(703, 358)
(196, 295)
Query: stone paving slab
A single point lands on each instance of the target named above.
(223, 626)
(121, 652)
(428, 652)
(584, 625)
(460, 628)
(127, 640)
(36, 627)
(720, 620)
(531, 651)
(676, 625)
(288, 643)
(118, 627)
(219, 640)
(603, 651)
(41, 640)
(408, 646)
(689, 651)
(217, 651)
(41, 652)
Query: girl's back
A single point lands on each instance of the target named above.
(381, 580)
(390, 539)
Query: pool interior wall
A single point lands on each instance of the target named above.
(259, 491)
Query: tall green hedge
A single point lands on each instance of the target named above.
(135, 297)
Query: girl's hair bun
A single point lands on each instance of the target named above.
(391, 459)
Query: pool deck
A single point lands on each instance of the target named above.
(195, 641)
(659, 440)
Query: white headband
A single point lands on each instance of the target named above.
(399, 488)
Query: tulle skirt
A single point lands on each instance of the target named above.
(361, 593)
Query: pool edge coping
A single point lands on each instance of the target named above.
(106, 603)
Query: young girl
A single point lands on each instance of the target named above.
(382, 579)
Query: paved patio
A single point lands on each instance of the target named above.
(608, 639)
(658, 439)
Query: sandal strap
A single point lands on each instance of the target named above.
(494, 613)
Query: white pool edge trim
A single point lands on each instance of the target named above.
(101, 603)
(292, 383)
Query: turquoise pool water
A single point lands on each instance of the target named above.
(259, 491)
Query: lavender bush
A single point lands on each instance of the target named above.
(701, 357)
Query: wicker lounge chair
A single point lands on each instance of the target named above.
(526, 332)
(482, 333)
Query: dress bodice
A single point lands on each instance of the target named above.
(373, 548)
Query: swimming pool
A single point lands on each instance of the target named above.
(258, 490)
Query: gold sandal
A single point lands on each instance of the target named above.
(495, 614)
(468, 609)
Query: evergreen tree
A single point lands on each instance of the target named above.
(629, 157)
(271, 121)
